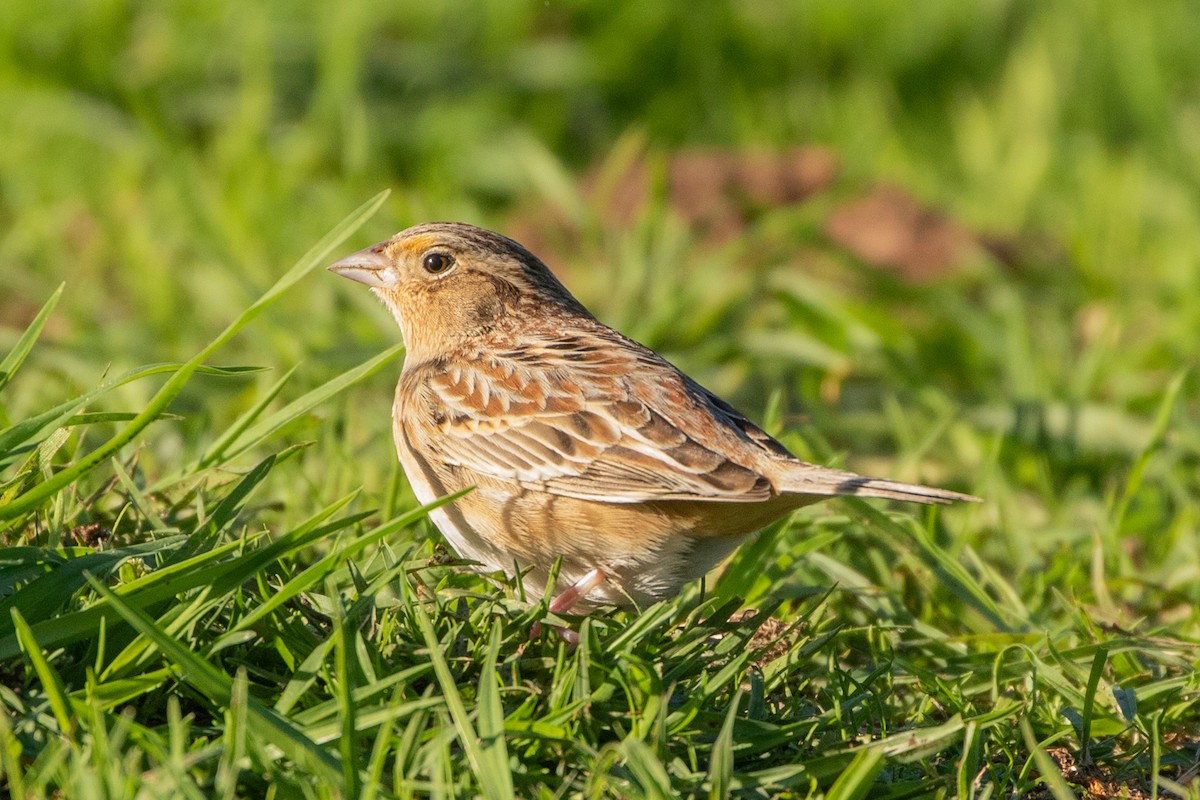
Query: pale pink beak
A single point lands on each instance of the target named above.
(368, 266)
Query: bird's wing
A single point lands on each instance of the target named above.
(586, 420)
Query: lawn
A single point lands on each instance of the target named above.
(954, 243)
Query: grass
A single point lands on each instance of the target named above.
(215, 581)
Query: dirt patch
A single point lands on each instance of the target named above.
(889, 229)
(91, 534)
(1102, 781)
(720, 192)
(768, 639)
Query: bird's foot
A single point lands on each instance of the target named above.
(566, 600)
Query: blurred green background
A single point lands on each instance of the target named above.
(940, 241)
(169, 160)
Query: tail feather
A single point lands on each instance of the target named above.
(822, 482)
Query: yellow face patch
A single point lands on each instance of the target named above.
(416, 245)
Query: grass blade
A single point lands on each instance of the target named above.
(491, 720)
(52, 685)
(345, 695)
(326, 565)
(174, 385)
(859, 777)
(720, 761)
(649, 772)
(42, 597)
(468, 737)
(218, 688)
(223, 442)
(263, 430)
(58, 416)
(16, 357)
(1089, 704)
(1045, 764)
(204, 569)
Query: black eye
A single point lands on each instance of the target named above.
(436, 263)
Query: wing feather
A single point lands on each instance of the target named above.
(588, 439)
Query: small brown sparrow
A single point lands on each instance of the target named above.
(581, 443)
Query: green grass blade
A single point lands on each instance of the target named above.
(1158, 431)
(327, 564)
(218, 688)
(42, 597)
(217, 449)
(720, 761)
(345, 695)
(1089, 704)
(234, 737)
(52, 685)
(1055, 782)
(949, 571)
(174, 385)
(324, 724)
(968, 764)
(58, 416)
(374, 784)
(159, 585)
(650, 773)
(11, 768)
(204, 569)
(490, 719)
(264, 429)
(174, 621)
(859, 777)
(16, 357)
(136, 495)
(226, 511)
(468, 737)
(306, 672)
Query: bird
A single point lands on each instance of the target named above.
(580, 447)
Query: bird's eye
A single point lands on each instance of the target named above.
(436, 263)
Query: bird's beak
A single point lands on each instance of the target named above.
(368, 266)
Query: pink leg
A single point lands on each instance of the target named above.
(566, 600)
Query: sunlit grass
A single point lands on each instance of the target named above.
(216, 582)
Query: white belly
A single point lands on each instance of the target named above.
(461, 536)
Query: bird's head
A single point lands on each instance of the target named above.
(446, 282)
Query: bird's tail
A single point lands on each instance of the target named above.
(810, 479)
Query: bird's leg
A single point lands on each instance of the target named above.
(566, 600)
